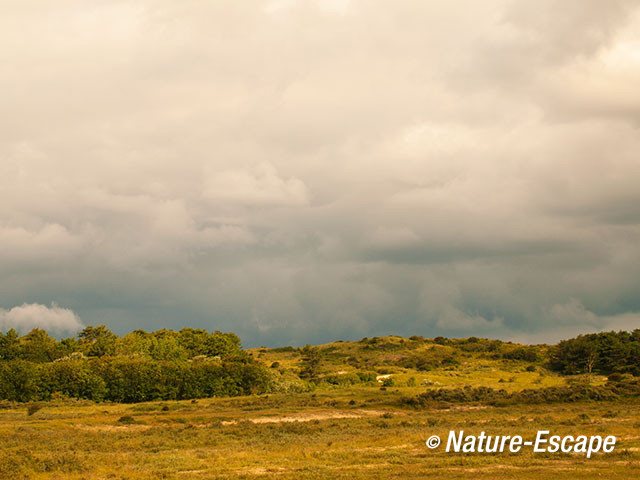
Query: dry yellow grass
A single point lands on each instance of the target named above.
(298, 436)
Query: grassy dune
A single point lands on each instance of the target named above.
(384, 356)
(313, 428)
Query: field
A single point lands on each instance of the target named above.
(334, 425)
(349, 433)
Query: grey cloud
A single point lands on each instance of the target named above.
(300, 171)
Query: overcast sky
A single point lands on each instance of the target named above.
(305, 171)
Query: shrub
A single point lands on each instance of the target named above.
(367, 377)
(33, 408)
(528, 354)
(628, 386)
(283, 349)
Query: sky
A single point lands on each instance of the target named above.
(302, 171)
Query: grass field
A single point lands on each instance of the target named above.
(347, 433)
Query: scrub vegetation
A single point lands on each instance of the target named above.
(193, 404)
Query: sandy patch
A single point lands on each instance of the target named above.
(463, 408)
(384, 449)
(112, 428)
(309, 416)
(259, 471)
(294, 417)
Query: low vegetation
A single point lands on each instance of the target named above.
(194, 404)
(347, 433)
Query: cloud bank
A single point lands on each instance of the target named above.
(26, 317)
(301, 171)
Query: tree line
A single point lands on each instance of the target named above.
(38, 346)
(604, 353)
(99, 365)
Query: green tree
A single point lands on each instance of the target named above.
(9, 345)
(222, 344)
(166, 348)
(98, 341)
(605, 352)
(137, 342)
(38, 346)
(74, 378)
(310, 362)
(19, 381)
(193, 340)
(67, 346)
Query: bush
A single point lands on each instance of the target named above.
(283, 349)
(343, 379)
(425, 363)
(33, 408)
(628, 386)
(367, 377)
(527, 354)
(388, 382)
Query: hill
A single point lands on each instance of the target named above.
(410, 364)
(193, 363)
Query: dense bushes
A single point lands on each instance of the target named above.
(74, 378)
(344, 379)
(622, 386)
(141, 366)
(425, 362)
(527, 354)
(130, 379)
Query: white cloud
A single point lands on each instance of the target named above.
(28, 316)
(329, 6)
(49, 242)
(259, 186)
